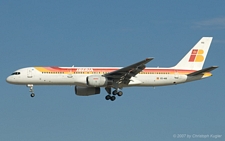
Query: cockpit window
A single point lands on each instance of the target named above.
(16, 73)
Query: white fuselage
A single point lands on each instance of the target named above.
(77, 76)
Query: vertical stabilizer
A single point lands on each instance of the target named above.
(195, 58)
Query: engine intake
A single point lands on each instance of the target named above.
(98, 81)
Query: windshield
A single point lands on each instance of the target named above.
(16, 73)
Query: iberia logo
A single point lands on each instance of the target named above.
(196, 55)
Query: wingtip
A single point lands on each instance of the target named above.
(149, 58)
(215, 66)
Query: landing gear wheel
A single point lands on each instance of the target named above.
(114, 92)
(32, 95)
(120, 93)
(112, 98)
(107, 97)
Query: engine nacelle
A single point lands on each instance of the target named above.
(97, 81)
(86, 91)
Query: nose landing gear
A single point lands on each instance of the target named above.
(32, 94)
(31, 86)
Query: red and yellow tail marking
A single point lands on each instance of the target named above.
(196, 55)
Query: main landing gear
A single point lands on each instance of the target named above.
(113, 97)
(31, 86)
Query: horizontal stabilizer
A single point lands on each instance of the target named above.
(202, 71)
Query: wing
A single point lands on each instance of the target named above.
(202, 71)
(123, 75)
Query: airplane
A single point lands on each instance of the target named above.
(89, 80)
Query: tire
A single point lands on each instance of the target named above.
(107, 97)
(120, 93)
(32, 95)
(113, 98)
(114, 92)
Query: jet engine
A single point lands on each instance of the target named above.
(98, 81)
(86, 91)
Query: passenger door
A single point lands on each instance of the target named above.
(29, 73)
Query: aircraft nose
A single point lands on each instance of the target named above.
(9, 79)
